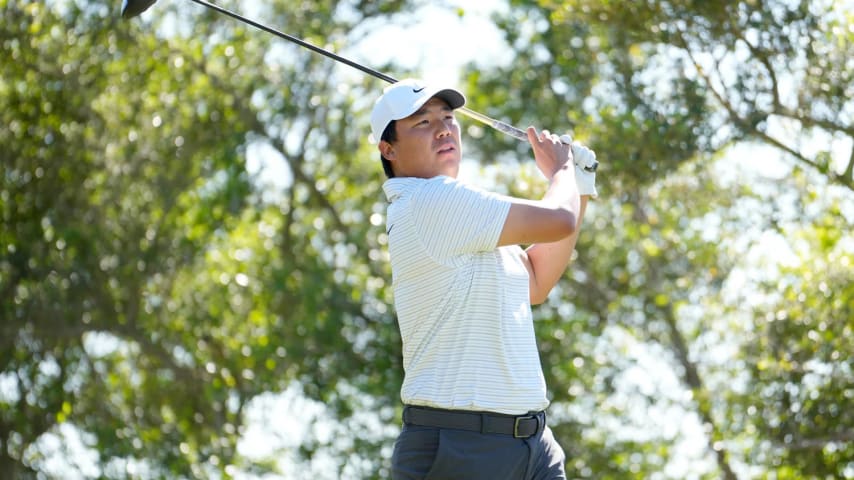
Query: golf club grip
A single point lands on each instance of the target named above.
(517, 133)
(496, 124)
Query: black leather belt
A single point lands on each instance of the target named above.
(522, 426)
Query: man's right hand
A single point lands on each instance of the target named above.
(550, 153)
(554, 217)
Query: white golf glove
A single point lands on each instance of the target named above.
(585, 167)
(585, 177)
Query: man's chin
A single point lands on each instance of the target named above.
(451, 170)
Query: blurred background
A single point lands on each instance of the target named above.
(194, 279)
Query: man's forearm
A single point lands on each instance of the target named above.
(549, 260)
(563, 191)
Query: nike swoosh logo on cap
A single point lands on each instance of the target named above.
(418, 90)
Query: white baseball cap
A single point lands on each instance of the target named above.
(404, 98)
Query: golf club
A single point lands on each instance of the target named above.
(132, 8)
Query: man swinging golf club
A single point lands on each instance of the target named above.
(474, 393)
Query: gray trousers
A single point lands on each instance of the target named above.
(430, 453)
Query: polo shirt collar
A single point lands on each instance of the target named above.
(395, 187)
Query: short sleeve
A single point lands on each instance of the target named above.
(454, 218)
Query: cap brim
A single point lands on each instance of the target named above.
(132, 8)
(454, 98)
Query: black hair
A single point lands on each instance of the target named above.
(389, 135)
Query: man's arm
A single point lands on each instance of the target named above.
(553, 218)
(546, 225)
(546, 262)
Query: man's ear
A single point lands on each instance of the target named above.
(386, 149)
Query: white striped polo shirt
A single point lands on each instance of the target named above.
(462, 304)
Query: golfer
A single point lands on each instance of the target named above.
(474, 393)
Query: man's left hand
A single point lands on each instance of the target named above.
(585, 179)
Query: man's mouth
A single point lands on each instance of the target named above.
(447, 148)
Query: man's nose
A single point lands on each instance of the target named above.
(444, 129)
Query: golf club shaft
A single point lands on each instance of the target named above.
(496, 124)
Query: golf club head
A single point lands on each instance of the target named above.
(132, 8)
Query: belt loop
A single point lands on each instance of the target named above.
(484, 419)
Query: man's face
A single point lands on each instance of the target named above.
(428, 143)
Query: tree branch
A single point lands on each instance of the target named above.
(752, 129)
(690, 373)
(691, 377)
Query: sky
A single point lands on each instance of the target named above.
(441, 41)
